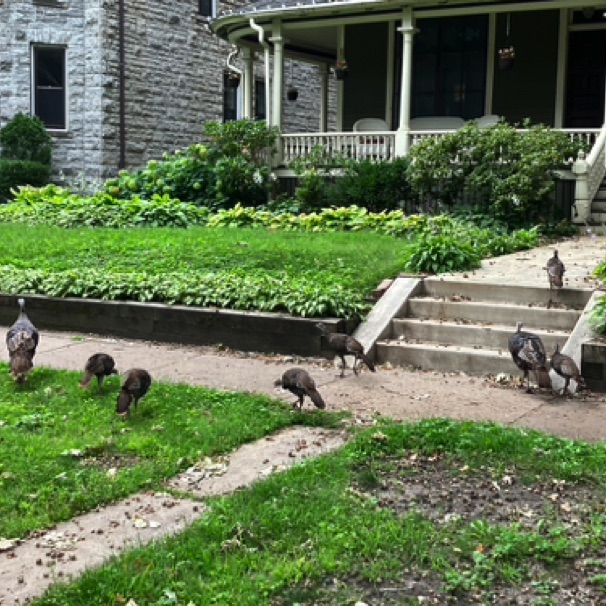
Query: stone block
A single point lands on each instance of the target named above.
(593, 365)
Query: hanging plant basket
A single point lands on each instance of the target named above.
(292, 94)
(233, 80)
(506, 57)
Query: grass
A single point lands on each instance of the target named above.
(347, 256)
(58, 441)
(300, 539)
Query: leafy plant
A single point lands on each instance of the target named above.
(16, 173)
(26, 138)
(438, 254)
(509, 172)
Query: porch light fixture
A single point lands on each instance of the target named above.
(341, 69)
(507, 54)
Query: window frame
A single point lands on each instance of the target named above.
(202, 8)
(234, 93)
(35, 48)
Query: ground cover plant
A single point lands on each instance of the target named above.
(59, 442)
(438, 512)
(302, 274)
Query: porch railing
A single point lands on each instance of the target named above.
(378, 146)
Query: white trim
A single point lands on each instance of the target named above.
(491, 49)
(391, 61)
(33, 47)
(559, 101)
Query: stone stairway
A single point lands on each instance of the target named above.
(463, 326)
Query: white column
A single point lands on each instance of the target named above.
(278, 80)
(247, 59)
(340, 83)
(324, 98)
(403, 133)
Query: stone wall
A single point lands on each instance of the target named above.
(75, 25)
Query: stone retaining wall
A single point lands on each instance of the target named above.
(240, 330)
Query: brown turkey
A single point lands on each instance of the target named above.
(22, 340)
(299, 382)
(567, 368)
(135, 386)
(100, 365)
(345, 345)
(555, 274)
(528, 353)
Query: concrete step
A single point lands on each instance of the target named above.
(452, 358)
(488, 336)
(445, 287)
(483, 312)
(599, 204)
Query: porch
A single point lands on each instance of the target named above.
(588, 170)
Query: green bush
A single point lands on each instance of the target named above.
(15, 173)
(53, 205)
(26, 138)
(376, 186)
(227, 171)
(436, 254)
(509, 172)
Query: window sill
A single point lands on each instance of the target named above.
(59, 134)
(50, 3)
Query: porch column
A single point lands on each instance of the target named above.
(403, 132)
(247, 59)
(278, 80)
(323, 98)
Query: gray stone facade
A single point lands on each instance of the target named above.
(173, 78)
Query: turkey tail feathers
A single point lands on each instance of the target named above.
(316, 398)
(543, 378)
(88, 377)
(368, 363)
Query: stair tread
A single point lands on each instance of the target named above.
(479, 325)
(499, 304)
(484, 351)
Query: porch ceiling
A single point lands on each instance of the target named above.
(310, 26)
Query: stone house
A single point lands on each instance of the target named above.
(120, 82)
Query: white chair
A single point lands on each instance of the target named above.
(486, 120)
(436, 123)
(370, 124)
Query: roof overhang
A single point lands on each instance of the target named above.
(310, 26)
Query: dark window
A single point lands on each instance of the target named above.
(230, 100)
(260, 108)
(207, 8)
(49, 86)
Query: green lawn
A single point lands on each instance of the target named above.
(358, 259)
(309, 274)
(58, 441)
(464, 513)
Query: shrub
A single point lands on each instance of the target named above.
(376, 186)
(26, 138)
(510, 172)
(438, 253)
(15, 173)
(221, 174)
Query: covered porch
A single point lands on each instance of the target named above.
(422, 68)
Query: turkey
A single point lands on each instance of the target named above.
(135, 386)
(345, 345)
(555, 274)
(566, 367)
(22, 339)
(100, 365)
(299, 382)
(528, 353)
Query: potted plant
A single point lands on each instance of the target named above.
(341, 69)
(292, 94)
(506, 57)
(232, 80)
